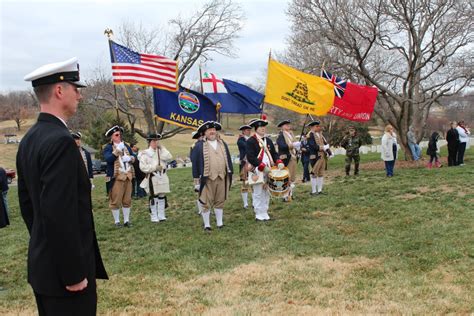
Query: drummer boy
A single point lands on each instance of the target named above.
(261, 155)
(287, 151)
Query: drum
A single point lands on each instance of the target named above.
(279, 181)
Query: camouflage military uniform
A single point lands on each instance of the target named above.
(352, 144)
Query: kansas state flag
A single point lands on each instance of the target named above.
(233, 96)
(185, 108)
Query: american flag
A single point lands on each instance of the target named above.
(339, 83)
(129, 67)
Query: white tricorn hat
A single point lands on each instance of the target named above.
(64, 71)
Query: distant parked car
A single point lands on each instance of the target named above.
(172, 164)
(11, 174)
(99, 166)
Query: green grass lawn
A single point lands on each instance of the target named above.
(372, 245)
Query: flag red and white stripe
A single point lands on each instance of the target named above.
(129, 67)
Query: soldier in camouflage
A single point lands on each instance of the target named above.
(351, 143)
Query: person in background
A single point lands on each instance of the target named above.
(86, 156)
(305, 158)
(351, 143)
(389, 150)
(197, 137)
(137, 191)
(120, 172)
(433, 151)
(212, 173)
(464, 133)
(153, 162)
(4, 188)
(452, 137)
(414, 147)
(4, 221)
(288, 149)
(242, 145)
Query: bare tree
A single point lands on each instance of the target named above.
(414, 51)
(212, 29)
(17, 106)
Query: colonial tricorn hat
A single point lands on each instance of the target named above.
(64, 71)
(283, 123)
(243, 127)
(255, 123)
(153, 136)
(76, 135)
(114, 129)
(207, 125)
(195, 135)
(315, 122)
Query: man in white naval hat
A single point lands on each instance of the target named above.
(55, 199)
(153, 162)
(119, 174)
(212, 172)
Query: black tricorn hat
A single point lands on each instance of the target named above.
(195, 135)
(283, 123)
(153, 136)
(316, 122)
(243, 127)
(207, 125)
(256, 123)
(76, 135)
(114, 129)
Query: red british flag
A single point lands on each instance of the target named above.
(339, 83)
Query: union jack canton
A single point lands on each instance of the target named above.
(339, 83)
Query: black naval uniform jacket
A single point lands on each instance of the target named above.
(283, 149)
(313, 148)
(253, 149)
(197, 160)
(242, 144)
(55, 201)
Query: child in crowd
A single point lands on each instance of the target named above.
(433, 151)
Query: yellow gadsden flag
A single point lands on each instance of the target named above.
(297, 91)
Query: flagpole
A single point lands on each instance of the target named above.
(200, 78)
(108, 32)
(263, 100)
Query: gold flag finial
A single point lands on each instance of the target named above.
(108, 32)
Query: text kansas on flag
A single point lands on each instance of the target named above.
(129, 67)
(185, 108)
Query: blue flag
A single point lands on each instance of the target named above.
(185, 108)
(234, 97)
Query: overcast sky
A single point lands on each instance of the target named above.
(33, 33)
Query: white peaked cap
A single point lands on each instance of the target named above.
(64, 71)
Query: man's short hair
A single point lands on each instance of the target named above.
(45, 92)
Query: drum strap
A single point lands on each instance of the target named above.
(263, 148)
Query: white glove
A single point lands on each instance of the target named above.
(326, 147)
(297, 145)
(266, 170)
(92, 187)
(120, 146)
(281, 165)
(197, 187)
(126, 158)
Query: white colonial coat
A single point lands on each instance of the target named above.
(149, 162)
